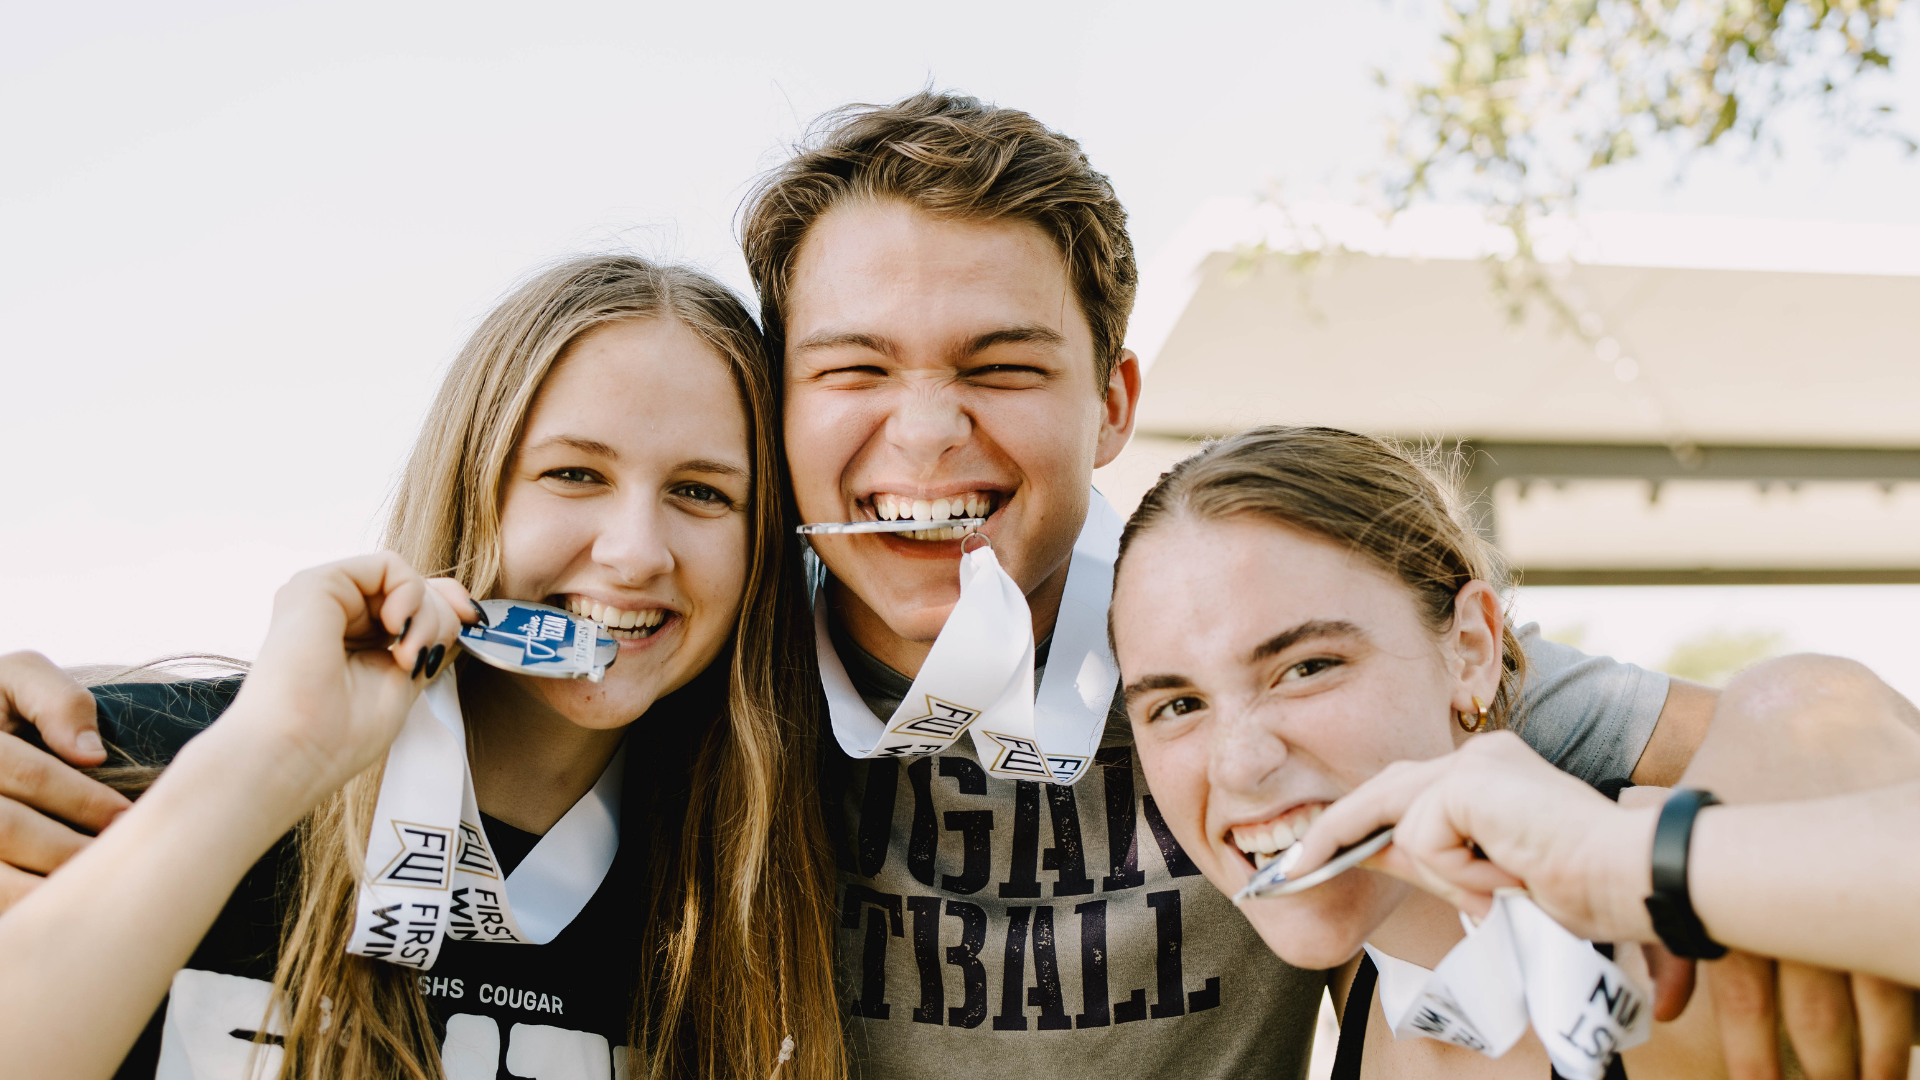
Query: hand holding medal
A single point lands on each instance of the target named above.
(349, 647)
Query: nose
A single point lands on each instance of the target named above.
(929, 422)
(635, 541)
(1244, 755)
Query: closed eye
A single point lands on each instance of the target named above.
(1008, 376)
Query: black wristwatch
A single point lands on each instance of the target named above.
(1671, 906)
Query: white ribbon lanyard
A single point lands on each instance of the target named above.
(979, 675)
(1519, 967)
(431, 874)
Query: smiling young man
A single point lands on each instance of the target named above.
(949, 285)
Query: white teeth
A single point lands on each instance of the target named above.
(951, 532)
(1268, 841)
(614, 618)
(970, 504)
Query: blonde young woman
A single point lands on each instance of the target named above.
(1294, 609)
(605, 442)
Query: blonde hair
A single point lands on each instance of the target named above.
(1355, 490)
(735, 932)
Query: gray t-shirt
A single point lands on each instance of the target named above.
(1036, 930)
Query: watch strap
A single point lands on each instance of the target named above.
(1670, 906)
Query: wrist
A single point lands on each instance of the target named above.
(1628, 878)
(255, 773)
(1669, 902)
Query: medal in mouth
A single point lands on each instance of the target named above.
(947, 518)
(527, 638)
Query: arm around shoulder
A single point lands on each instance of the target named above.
(86, 957)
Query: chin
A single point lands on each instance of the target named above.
(918, 623)
(1325, 926)
(601, 706)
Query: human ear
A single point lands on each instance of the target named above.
(1120, 407)
(1474, 644)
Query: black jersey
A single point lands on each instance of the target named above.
(557, 1011)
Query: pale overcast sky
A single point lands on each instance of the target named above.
(240, 241)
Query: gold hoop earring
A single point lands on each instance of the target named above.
(1480, 722)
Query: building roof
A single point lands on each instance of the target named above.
(1796, 339)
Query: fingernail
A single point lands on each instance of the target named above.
(404, 627)
(419, 661)
(438, 653)
(89, 743)
(480, 613)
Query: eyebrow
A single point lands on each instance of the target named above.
(1273, 646)
(1306, 631)
(1024, 334)
(1150, 683)
(850, 338)
(584, 445)
(1020, 334)
(708, 465)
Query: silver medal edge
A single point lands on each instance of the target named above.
(846, 528)
(1269, 882)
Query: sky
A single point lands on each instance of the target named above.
(240, 242)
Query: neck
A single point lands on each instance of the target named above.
(906, 655)
(1422, 930)
(530, 763)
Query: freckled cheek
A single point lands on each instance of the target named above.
(1355, 736)
(1040, 445)
(713, 560)
(1177, 778)
(539, 542)
(825, 435)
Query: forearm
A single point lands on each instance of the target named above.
(90, 953)
(1828, 882)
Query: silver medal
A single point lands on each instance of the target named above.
(536, 639)
(845, 528)
(1272, 879)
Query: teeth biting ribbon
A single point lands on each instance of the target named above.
(967, 504)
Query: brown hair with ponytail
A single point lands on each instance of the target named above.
(1400, 509)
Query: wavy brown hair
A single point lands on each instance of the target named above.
(1403, 513)
(952, 156)
(735, 932)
